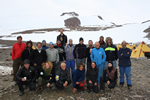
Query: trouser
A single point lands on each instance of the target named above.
(79, 61)
(88, 64)
(80, 86)
(70, 65)
(59, 86)
(100, 72)
(55, 65)
(102, 84)
(92, 86)
(127, 71)
(16, 64)
(106, 64)
(42, 81)
(30, 84)
(38, 69)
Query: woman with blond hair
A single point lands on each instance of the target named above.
(62, 76)
(47, 75)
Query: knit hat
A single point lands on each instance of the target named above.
(81, 39)
(110, 62)
(101, 37)
(51, 43)
(43, 41)
(26, 61)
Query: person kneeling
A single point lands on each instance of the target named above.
(47, 76)
(78, 78)
(92, 78)
(26, 76)
(109, 76)
(62, 77)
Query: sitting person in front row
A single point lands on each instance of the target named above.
(47, 76)
(78, 78)
(62, 76)
(109, 76)
(92, 78)
(26, 75)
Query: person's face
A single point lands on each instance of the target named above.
(81, 42)
(44, 43)
(51, 46)
(58, 42)
(90, 43)
(109, 65)
(63, 67)
(97, 45)
(26, 65)
(93, 65)
(81, 68)
(47, 65)
(29, 45)
(101, 39)
(19, 40)
(70, 41)
(61, 31)
(109, 42)
(39, 46)
(123, 44)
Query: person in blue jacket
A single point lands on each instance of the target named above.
(124, 54)
(98, 55)
(78, 77)
(44, 47)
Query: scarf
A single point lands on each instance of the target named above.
(101, 42)
(58, 45)
(47, 72)
(110, 68)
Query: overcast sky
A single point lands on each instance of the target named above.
(118, 11)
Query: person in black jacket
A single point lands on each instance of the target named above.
(88, 53)
(26, 75)
(92, 78)
(47, 75)
(62, 76)
(102, 42)
(79, 52)
(62, 37)
(26, 53)
(109, 76)
(38, 57)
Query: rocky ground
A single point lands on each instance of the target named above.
(139, 91)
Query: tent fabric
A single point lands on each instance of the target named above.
(119, 46)
(139, 51)
(128, 46)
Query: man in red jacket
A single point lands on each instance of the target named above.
(16, 55)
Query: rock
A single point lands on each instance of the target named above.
(60, 98)
(8, 59)
(70, 98)
(136, 97)
(102, 98)
(78, 98)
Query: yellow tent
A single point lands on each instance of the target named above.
(133, 47)
(119, 46)
(128, 46)
(139, 51)
(33, 47)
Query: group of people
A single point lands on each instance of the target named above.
(54, 65)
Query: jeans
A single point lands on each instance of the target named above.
(100, 72)
(111, 85)
(127, 71)
(79, 61)
(88, 64)
(21, 83)
(70, 64)
(106, 64)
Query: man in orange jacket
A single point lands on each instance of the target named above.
(16, 55)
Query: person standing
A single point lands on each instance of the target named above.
(88, 53)
(79, 52)
(61, 51)
(102, 42)
(62, 37)
(26, 75)
(70, 61)
(124, 54)
(52, 55)
(92, 78)
(38, 57)
(109, 77)
(98, 56)
(44, 47)
(111, 52)
(26, 53)
(17, 50)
